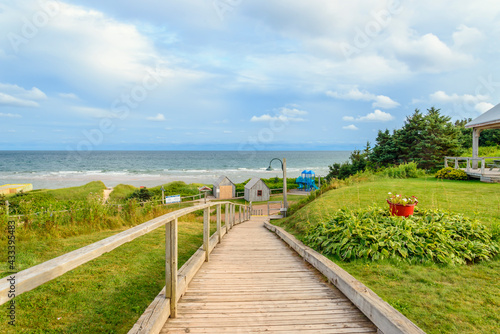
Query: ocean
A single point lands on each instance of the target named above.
(60, 169)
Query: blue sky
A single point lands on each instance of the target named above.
(238, 74)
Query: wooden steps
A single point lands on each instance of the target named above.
(254, 283)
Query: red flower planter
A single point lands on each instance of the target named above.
(401, 210)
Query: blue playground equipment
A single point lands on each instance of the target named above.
(306, 180)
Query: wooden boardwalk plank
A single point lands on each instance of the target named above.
(254, 283)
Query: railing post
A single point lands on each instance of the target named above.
(226, 217)
(239, 214)
(468, 165)
(219, 229)
(233, 216)
(206, 232)
(482, 165)
(171, 265)
(456, 163)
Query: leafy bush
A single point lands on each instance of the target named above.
(427, 236)
(142, 195)
(403, 171)
(450, 173)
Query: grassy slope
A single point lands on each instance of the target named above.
(439, 299)
(106, 295)
(121, 192)
(78, 193)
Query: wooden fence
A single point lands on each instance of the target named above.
(176, 283)
(471, 163)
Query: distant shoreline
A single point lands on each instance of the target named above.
(55, 169)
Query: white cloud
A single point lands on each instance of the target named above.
(158, 118)
(483, 107)
(9, 100)
(94, 112)
(466, 38)
(71, 96)
(469, 102)
(376, 116)
(283, 114)
(384, 102)
(15, 96)
(228, 132)
(31, 94)
(292, 112)
(380, 101)
(351, 127)
(442, 97)
(427, 53)
(10, 115)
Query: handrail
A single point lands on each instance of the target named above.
(468, 160)
(35, 276)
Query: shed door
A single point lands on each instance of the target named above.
(226, 192)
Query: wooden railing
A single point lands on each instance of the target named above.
(468, 161)
(165, 303)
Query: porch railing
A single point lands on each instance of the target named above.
(469, 162)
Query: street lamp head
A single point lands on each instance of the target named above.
(162, 189)
(269, 168)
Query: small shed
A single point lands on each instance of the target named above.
(257, 190)
(224, 188)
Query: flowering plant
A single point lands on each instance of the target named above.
(401, 200)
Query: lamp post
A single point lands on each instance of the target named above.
(283, 168)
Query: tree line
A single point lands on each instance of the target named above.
(424, 139)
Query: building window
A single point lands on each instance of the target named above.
(259, 192)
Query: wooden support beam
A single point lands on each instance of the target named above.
(171, 259)
(226, 218)
(206, 232)
(219, 228)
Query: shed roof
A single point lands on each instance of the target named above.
(220, 179)
(491, 118)
(253, 182)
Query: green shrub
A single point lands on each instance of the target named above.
(450, 173)
(427, 236)
(403, 171)
(142, 195)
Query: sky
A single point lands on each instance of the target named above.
(238, 74)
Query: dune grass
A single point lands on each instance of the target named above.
(438, 298)
(120, 193)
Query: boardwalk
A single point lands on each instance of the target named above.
(255, 283)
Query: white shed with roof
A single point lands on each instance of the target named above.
(257, 190)
(224, 188)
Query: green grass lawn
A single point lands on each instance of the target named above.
(438, 298)
(105, 295)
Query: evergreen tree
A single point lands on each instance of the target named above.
(423, 139)
(439, 138)
(385, 152)
(465, 137)
(408, 136)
